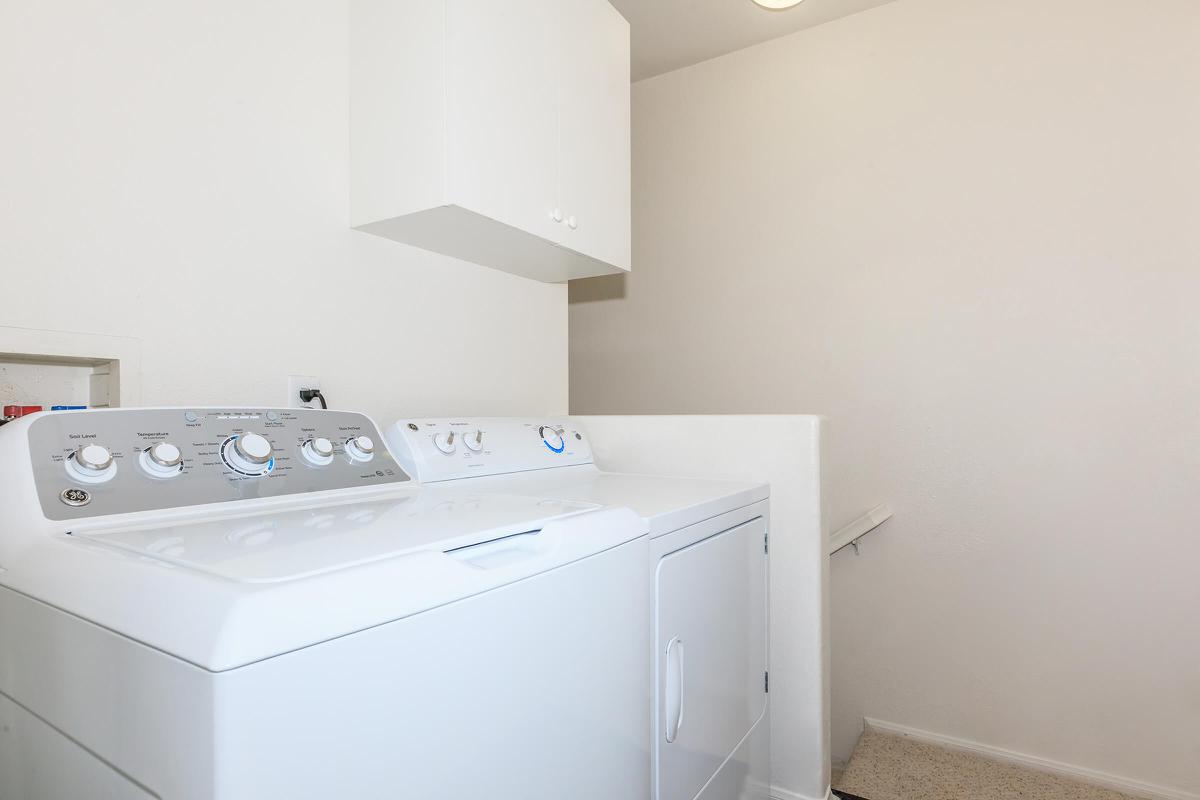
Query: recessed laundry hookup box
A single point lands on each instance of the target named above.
(60, 368)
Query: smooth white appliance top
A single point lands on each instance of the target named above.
(276, 546)
(554, 457)
(260, 564)
(667, 504)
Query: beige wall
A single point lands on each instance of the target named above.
(177, 171)
(969, 233)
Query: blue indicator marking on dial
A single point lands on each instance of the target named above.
(555, 449)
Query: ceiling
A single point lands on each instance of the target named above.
(669, 34)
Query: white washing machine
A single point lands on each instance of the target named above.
(709, 554)
(242, 604)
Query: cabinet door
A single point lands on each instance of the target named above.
(711, 655)
(594, 130)
(502, 110)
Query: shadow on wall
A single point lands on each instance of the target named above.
(591, 290)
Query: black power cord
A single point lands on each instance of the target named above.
(308, 395)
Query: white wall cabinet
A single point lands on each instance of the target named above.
(494, 132)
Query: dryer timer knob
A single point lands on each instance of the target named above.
(445, 442)
(553, 438)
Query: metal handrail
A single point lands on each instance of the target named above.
(850, 534)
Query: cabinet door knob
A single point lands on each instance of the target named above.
(572, 223)
(556, 215)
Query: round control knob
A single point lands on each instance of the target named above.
(445, 442)
(93, 457)
(91, 463)
(474, 441)
(162, 460)
(553, 438)
(360, 448)
(249, 453)
(254, 448)
(165, 454)
(318, 451)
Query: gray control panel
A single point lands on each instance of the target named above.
(96, 463)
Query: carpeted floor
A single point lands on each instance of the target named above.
(886, 767)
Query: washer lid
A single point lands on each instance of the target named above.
(227, 592)
(275, 547)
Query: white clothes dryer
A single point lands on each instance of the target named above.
(708, 586)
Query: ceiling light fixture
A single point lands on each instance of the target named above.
(778, 5)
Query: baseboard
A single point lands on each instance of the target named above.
(1082, 774)
(779, 793)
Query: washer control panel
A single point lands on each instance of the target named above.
(434, 450)
(119, 461)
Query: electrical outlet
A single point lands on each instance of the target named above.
(298, 382)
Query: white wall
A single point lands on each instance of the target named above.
(967, 232)
(177, 172)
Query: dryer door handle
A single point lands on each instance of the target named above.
(674, 688)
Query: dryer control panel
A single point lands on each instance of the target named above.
(445, 449)
(119, 461)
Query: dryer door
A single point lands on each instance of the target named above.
(711, 655)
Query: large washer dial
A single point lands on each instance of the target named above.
(249, 453)
(91, 463)
(161, 460)
(553, 438)
(474, 441)
(360, 448)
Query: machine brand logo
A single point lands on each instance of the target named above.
(76, 497)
